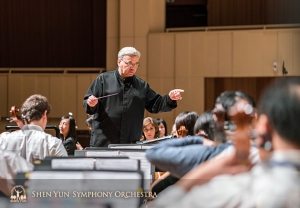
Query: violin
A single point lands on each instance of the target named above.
(16, 116)
(242, 114)
(182, 132)
(219, 113)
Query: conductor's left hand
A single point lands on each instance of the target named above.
(175, 94)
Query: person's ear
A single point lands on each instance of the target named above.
(119, 62)
(262, 125)
(45, 114)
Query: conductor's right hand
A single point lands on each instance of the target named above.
(92, 101)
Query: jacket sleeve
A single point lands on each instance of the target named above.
(179, 156)
(70, 145)
(156, 103)
(95, 89)
(176, 155)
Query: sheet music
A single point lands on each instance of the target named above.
(102, 153)
(73, 163)
(126, 147)
(138, 155)
(147, 146)
(85, 187)
(117, 164)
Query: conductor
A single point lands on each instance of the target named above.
(118, 98)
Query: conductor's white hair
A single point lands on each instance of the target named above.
(131, 51)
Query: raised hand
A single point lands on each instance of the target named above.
(175, 94)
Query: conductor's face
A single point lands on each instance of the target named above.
(128, 65)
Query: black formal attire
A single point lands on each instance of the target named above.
(119, 119)
(70, 145)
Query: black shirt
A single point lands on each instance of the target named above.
(119, 119)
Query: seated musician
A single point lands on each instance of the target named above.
(11, 164)
(272, 183)
(181, 155)
(162, 127)
(184, 122)
(31, 142)
(150, 129)
(67, 128)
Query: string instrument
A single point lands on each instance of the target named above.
(155, 140)
(242, 114)
(16, 116)
(219, 134)
(182, 132)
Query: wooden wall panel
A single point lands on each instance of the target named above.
(225, 52)
(247, 53)
(43, 85)
(269, 54)
(255, 52)
(155, 53)
(57, 33)
(167, 62)
(197, 54)
(56, 97)
(240, 62)
(15, 85)
(235, 12)
(285, 51)
(210, 54)
(29, 86)
(296, 53)
(254, 12)
(69, 103)
(182, 55)
(4, 96)
(127, 18)
(254, 86)
(282, 12)
(141, 16)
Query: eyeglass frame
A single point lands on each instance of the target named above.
(130, 64)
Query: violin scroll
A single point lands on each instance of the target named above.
(16, 116)
(242, 114)
(182, 132)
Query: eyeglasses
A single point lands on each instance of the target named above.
(131, 64)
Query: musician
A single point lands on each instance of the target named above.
(67, 128)
(11, 164)
(162, 127)
(118, 119)
(274, 183)
(205, 125)
(179, 156)
(31, 142)
(184, 122)
(89, 125)
(150, 129)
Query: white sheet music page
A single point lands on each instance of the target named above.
(73, 163)
(117, 164)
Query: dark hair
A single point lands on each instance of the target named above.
(34, 107)
(147, 121)
(229, 98)
(280, 102)
(72, 128)
(159, 121)
(206, 123)
(188, 120)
